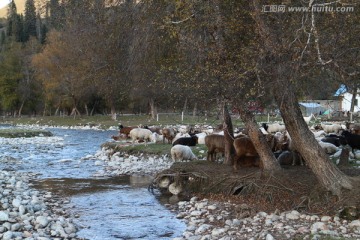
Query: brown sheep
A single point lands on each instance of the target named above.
(125, 130)
(246, 154)
(169, 134)
(243, 148)
(215, 144)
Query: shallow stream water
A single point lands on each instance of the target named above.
(107, 208)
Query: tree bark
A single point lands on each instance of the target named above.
(185, 105)
(303, 139)
(354, 93)
(344, 157)
(268, 160)
(229, 137)
(153, 110)
(195, 110)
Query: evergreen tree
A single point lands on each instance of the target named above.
(56, 16)
(2, 38)
(11, 18)
(18, 28)
(29, 20)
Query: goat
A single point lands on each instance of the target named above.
(125, 130)
(187, 141)
(353, 140)
(168, 134)
(182, 152)
(215, 144)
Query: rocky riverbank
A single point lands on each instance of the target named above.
(29, 214)
(208, 220)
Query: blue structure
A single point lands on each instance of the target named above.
(307, 108)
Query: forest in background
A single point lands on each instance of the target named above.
(93, 56)
(87, 57)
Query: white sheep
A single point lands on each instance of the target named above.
(328, 147)
(182, 152)
(319, 134)
(274, 127)
(201, 137)
(142, 134)
(308, 119)
(331, 128)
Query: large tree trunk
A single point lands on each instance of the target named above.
(303, 139)
(279, 65)
(153, 110)
(185, 106)
(229, 137)
(21, 107)
(268, 160)
(195, 110)
(354, 94)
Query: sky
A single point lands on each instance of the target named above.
(3, 3)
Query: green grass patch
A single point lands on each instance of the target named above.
(152, 149)
(16, 133)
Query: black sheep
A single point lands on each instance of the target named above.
(187, 141)
(333, 138)
(353, 140)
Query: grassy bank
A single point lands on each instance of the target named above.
(16, 133)
(151, 149)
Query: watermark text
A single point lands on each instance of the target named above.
(317, 9)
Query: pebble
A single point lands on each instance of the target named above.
(27, 214)
(223, 224)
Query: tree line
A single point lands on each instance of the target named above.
(89, 56)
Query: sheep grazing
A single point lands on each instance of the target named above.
(168, 134)
(187, 141)
(180, 135)
(331, 128)
(125, 130)
(353, 140)
(154, 129)
(273, 127)
(215, 144)
(141, 134)
(182, 152)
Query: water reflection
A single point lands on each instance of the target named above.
(116, 208)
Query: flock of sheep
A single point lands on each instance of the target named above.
(330, 137)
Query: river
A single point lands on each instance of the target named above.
(106, 208)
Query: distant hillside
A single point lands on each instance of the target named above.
(20, 5)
